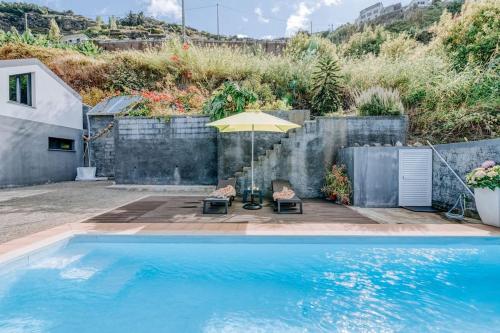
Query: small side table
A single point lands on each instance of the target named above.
(247, 193)
(220, 201)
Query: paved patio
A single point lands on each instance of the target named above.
(26, 210)
(29, 210)
(188, 209)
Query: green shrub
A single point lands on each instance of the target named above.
(366, 42)
(228, 100)
(326, 87)
(378, 101)
(399, 46)
(343, 33)
(475, 35)
(302, 46)
(88, 48)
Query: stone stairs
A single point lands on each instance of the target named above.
(267, 165)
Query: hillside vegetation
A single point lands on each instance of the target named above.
(133, 25)
(449, 86)
(416, 22)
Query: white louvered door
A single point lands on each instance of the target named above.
(415, 177)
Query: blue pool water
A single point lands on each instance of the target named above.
(255, 284)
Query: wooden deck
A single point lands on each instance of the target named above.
(164, 209)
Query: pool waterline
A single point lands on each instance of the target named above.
(21, 246)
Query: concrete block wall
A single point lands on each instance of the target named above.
(102, 149)
(305, 155)
(175, 151)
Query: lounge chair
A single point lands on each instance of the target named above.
(218, 201)
(283, 206)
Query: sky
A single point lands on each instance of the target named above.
(246, 18)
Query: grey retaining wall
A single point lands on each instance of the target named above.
(184, 151)
(304, 156)
(373, 172)
(462, 157)
(179, 151)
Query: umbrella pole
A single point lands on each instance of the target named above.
(252, 205)
(252, 156)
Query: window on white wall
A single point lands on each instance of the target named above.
(20, 89)
(61, 144)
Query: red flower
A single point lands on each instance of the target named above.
(175, 58)
(185, 46)
(179, 106)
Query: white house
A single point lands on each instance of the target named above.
(418, 4)
(74, 38)
(370, 13)
(41, 125)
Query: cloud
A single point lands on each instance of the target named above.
(244, 19)
(260, 15)
(241, 36)
(170, 8)
(332, 2)
(268, 37)
(299, 19)
(275, 9)
(52, 4)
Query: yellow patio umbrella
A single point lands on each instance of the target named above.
(253, 121)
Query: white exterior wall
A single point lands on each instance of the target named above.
(370, 13)
(53, 102)
(419, 3)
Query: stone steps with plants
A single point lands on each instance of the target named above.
(266, 165)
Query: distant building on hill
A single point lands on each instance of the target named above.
(378, 10)
(74, 38)
(418, 4)
(370, 13)
(397, 7)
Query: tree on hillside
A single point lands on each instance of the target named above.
(326, 87)
(112, 23)
(99, 22)
(133, 19)
(54, 31)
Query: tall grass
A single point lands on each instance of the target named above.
(447, 95)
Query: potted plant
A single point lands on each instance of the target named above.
(87, 172)
(486, 183)
(337, 186)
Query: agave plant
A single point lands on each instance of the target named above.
(326, 87)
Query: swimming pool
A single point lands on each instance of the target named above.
(255, 284)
